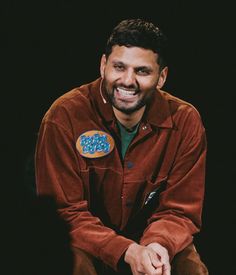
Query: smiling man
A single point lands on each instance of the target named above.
(125, 162)
(131, 77)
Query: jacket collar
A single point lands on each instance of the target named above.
(158, 113)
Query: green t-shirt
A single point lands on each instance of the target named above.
(126, 137)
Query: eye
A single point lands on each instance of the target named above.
(143, 71)
(119, 67)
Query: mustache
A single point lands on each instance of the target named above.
(134, 88)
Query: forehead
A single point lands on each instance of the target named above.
(133, 56)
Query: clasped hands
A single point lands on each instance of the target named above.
(152, 259)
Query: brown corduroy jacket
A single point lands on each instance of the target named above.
(154, 195)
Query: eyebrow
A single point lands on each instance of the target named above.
(118, 63)
(147, 68)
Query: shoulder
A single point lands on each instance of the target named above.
(180, 108)
(74, 103)
(185, 116)
(178, 104)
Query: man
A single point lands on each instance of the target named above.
(125, 163)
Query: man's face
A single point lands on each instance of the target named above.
(131, 75)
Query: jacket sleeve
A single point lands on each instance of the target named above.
(58, 175)
(178, 216)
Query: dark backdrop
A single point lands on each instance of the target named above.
(49, 47)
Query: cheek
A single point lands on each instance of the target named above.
(109, 82)
(148, 85)
(110, 76)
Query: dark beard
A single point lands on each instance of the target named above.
(142, 102)
(130, 110)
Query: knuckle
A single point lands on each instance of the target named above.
(143, 252)
(158, 271)
(139, 269)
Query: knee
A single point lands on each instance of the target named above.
(83, 263)
(188, 262)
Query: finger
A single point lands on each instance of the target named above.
(166, 269)
(155, 260)
(135, 272)
(147, 265)
(166, 265)
(158, 271)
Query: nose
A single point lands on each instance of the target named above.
(128, 78)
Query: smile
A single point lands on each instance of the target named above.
(125, 93)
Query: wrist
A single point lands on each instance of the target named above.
(129, 252)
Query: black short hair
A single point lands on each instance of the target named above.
(139, 33)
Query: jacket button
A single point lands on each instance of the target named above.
(130, 164)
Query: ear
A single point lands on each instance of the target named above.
(162, 78)
(103, 65)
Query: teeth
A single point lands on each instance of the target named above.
(126, 92)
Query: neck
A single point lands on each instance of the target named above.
(129, 120)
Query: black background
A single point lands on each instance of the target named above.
(47, 48)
